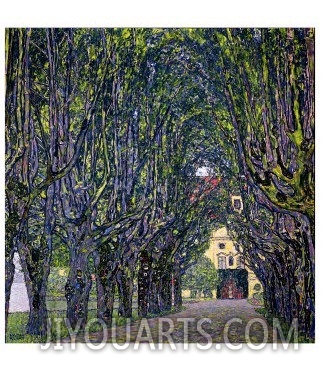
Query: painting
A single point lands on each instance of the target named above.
(160, 186)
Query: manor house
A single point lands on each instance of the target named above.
(236, 280)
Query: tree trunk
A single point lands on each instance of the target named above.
(307, 312)
(77, 290)
(125, 284)
(37, 320)
(177, 288)
(106, 268)
(36, 272)
(105, 297)
(166, 292)
(154, 307)
(143, 284)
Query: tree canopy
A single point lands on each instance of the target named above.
(105, 132)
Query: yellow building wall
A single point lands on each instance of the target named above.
(220, 236)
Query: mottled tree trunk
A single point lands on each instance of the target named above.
(77, 290)
(143, 284)
(37, 320)
(105, 297)
(105, 264)
(166, 291)
(17, 120)
(154, 307)
(36, 272)
(177, 288)
(125, 283)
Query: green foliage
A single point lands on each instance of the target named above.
(60, 255)
(258, 298)
(56, 281)
(201, 278)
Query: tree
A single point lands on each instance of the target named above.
(201, 279)
(260, 82)
(271, 105)
(37, 132)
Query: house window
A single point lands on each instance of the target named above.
(230, 261)
(238, 262)
(221, 246)
(222, 262)
(237, 204)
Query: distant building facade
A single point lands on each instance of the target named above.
(236, 281)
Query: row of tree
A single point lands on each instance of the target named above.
(268, 81)
(105, 130)
(101, 142)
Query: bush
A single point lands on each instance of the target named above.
(258, 297)
(56, 281)
(201, 279)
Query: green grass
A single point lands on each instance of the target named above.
(17, 322)
(16, 332)
(302, 338)
(261, 311)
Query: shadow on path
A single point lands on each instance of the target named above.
(219, 321)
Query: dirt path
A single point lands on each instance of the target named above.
(200, 322)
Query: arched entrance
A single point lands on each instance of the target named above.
(233, 284)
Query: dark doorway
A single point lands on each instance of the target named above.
(233, 284)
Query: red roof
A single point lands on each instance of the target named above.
(204, 188)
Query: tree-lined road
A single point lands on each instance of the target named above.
(218, 312)
(106, 131)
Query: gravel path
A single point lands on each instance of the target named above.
(219, 330)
